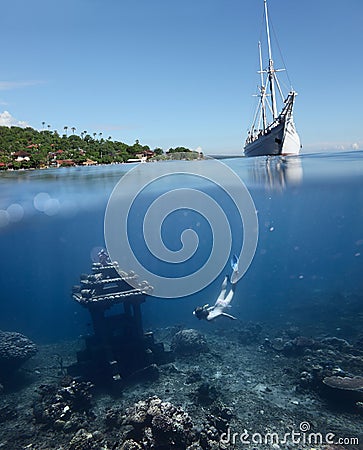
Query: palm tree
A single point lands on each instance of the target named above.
(48, 127)
(94, 136)
(100, 135)
(65, 129)
(85, 132)
(43, 124)
(73, 129)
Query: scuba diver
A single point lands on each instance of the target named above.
(223, 301)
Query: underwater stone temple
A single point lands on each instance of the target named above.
(119, 351)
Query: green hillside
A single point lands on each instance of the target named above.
(29, 148)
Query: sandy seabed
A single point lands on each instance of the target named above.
(246, 389)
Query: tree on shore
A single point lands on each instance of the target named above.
(29, 148)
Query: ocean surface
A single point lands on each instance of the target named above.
(307, 268)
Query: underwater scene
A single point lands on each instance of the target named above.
(210, 304)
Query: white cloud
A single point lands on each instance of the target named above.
(8, 85)
(7, 120)
(198, 149)
(332, 146)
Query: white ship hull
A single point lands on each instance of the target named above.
(280, 140)
(266, 144)
(291, 144)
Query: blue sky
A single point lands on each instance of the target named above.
(179, 73)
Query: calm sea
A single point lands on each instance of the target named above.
(307, 268)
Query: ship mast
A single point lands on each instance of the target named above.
(270, 70)
(262, 90)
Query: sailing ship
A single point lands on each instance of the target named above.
(272, 132)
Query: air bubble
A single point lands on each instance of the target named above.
(40, 201)
(52, 207)
(43, 202)
(15, 212)
(4, 218)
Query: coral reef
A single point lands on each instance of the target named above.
(337, 343)
(158, 424)
(189, 342)
(250, 388)
(66, 407)
(291, 347)
(15, 349)
(354, 384)
(130, 444)
(83, 440)
(348, 389)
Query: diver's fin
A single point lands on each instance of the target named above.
(224, 284)
(234, 277)
(234, 265)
